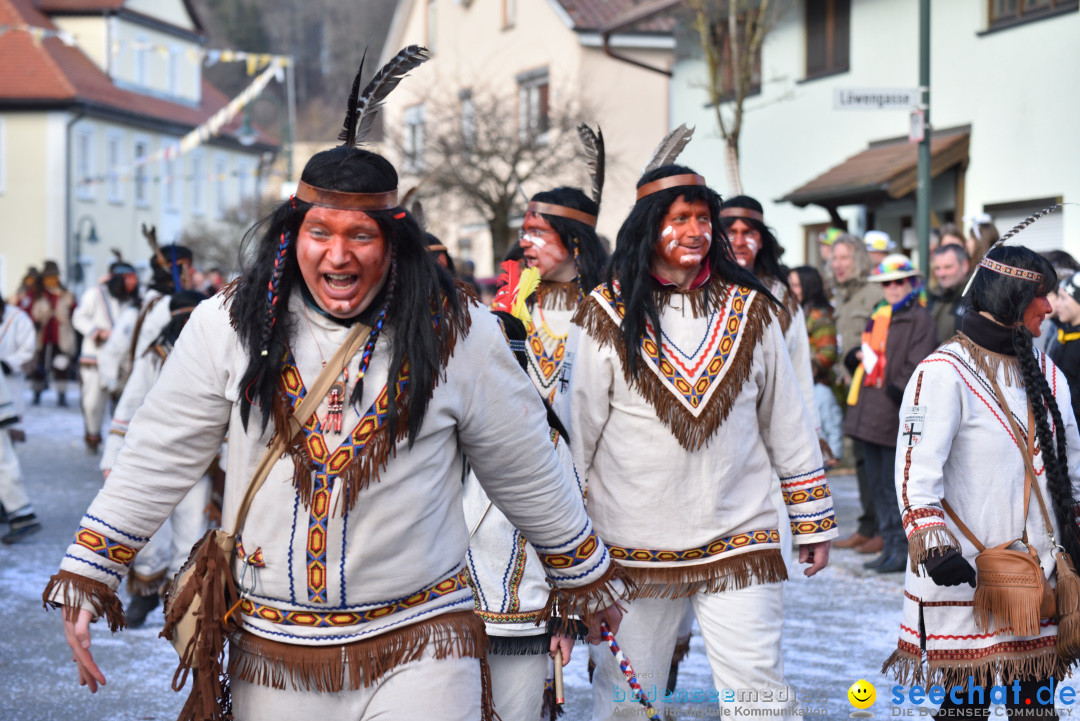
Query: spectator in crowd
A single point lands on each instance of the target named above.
(28, 291)
(1064, 265)
(900, 334)
(855, 299)
(809, 289)
(1064, 347)
(56, 347)
(18, 342)
(951, 234)
(825, 242)
(878, 245)
(951, 265)
(982, 235)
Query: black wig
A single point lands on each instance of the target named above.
(417, 287)
(635, 245)
(767, 262)
(1006, 298)
(580, 239)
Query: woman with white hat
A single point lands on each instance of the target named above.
(901, 332)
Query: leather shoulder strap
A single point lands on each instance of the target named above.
(318, 390)
(963, 528)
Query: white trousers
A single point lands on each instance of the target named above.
(12, 492)
(167, 549)
(741, 630)
(517, 685)
(427, 689)
(94, 398)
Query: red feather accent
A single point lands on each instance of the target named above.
(509, 278)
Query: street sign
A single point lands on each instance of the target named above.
(875, 98)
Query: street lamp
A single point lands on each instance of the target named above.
(247, 134)
(75, 270)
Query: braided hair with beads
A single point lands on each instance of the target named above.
(1006, 297)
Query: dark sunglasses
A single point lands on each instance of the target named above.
(895, 281)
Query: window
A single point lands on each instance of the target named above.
(509, 8)
(142, 195)
(1047, 234)
(1011, 12)
(721, 39)
(221, 179)
(142, 57)
(468, 119)
(114, 159)
(413, 141)
(243, 178)
(174, 71)
(533, 96)
(828, 37)
(198, 178)
(84, 163)
(169, 168)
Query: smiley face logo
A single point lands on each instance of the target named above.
(862, 694)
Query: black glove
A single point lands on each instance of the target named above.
(949, 568)
(5, 368)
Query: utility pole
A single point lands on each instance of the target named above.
(922, 197)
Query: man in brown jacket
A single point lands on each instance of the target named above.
(855, 300)
(901, 333)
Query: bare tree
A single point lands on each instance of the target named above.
(731, 34)
(217, 245)
(491, 150)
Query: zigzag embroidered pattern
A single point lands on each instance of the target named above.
(104, 546)
(256, 559)
(805, 528)
(545, 365)
(316, 619)
(522, 617)
(573, 558)
(714, 548)
(812, 494)
(328, 466)
(517, 574)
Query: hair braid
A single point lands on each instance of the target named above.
(369, 347)
(272, 294)
(1055, 455)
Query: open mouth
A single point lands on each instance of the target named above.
(340, 281)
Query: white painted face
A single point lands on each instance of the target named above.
(686, 236)
(745, 242)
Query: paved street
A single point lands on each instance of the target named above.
(840, 625)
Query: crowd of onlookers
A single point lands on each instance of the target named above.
(871, 318)
(50, 339)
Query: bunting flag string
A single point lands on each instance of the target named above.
(37, 34)
(208, 56)
(254, 61)
(209, 129)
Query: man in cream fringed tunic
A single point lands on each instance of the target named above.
(560, 243)
(355, 602)
(678, 456)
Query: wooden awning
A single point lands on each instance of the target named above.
(887, 170)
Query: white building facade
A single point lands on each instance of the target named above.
(1004, 101)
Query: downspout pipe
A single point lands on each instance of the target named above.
(639, 14)
(69, 190)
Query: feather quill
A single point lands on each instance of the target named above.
(594, 157)
(669, 148)
(348, 132)
(417, 211)
(360, 117)
(1010, 233)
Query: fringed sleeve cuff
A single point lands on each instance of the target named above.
(74, 591)
(582, 602)
(810, 507)
(926, 532)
